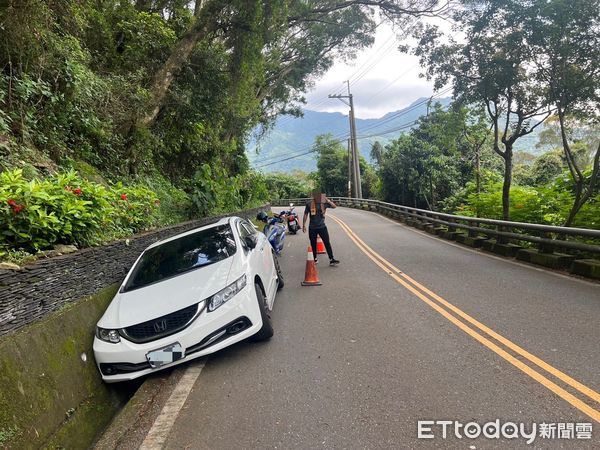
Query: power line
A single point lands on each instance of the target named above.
(337, 138)
(391, 130)
(373, 64)
(346, 135)
(371, 56)
(362, 70)
(392, 82)
(286, 159)
(404, 111)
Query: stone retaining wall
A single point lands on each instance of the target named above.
(31, 294)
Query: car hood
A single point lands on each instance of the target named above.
(165, 297)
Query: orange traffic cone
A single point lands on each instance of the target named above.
(320, 246)
(311, 277)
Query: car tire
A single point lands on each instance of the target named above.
(266, 330)
(280, 280)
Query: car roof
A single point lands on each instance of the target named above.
(223, 221)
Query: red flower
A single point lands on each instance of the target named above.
(11, 202)
(123, 196)
(17, 209)
(77, 191)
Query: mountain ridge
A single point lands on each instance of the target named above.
(287, 146)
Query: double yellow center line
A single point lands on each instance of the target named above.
(482, 333)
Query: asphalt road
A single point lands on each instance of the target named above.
(408, 327)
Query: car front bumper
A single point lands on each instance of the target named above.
(232, 322)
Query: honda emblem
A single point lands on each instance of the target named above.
(160, 325)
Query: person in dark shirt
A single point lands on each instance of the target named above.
(315, 209)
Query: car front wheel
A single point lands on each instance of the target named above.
(266, 330)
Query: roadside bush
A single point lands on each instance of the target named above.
(288, 185)
(175, 206)
(65, 208)
(543, 205)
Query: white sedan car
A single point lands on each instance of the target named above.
(188, 296)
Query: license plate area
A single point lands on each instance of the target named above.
(165, 355)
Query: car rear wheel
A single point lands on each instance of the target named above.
(266, 330)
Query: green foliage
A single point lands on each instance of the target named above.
(288, 185)
(214, 192)
(80, 78)
(174, 204)
(546, 168)
(527, 204)
(332, 166)
(547, 204)
(67, 209)
(332, 169)
(428, 165)
(128, 89)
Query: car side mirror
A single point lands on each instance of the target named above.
(251, 241)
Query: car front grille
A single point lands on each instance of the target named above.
(161, 326)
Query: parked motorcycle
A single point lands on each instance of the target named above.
(274, 229)
(293, 225)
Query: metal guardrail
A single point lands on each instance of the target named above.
(548, 238)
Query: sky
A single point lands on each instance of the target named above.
(381, 80)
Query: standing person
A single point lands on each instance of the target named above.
(316, 208)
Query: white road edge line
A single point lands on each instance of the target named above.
(159, 432)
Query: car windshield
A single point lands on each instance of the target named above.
(182, 255)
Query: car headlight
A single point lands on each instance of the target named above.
(107, 335)
(226, 294)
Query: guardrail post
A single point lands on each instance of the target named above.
(416, 220)
(502, 239)
(545, 247)
(397, 214)
(472, 233)
(451, 233)
(437, 228)
(405, 217)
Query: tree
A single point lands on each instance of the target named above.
(332, 166)
(142, 88)
(565, 47)
(285, 185)
(332, 169)
(377, 152)
(441, 156)
(546, 168)
(299, 39)
(492, 67)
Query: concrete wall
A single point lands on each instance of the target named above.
(51, 390)
(51, 393)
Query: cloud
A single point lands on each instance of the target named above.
(381, 80)
(372, 99)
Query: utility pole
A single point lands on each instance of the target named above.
(349, 170)
(353, 145)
